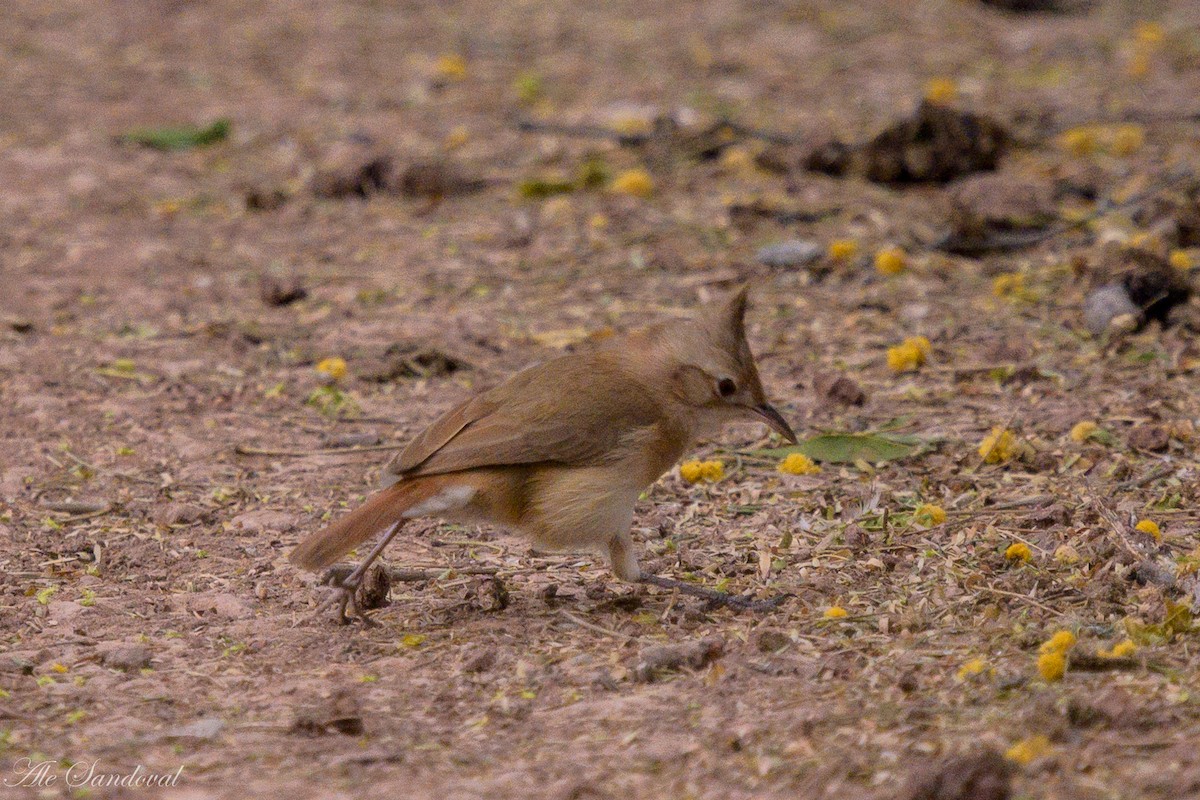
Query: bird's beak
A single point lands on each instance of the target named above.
(773, 418)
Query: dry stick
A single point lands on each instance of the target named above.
(1020, 596)
(951, 242)
(590, 626)
(247, 450)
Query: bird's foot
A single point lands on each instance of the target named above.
(344, 588)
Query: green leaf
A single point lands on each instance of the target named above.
(847, 448)
(182, 138)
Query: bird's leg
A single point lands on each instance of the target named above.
(344, 588)
(715, 597)
(625, 566)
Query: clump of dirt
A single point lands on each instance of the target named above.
(403, 360)
(984, 775)
(937, 144)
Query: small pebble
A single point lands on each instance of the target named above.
(792, 253)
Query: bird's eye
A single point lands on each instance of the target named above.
(726, 387)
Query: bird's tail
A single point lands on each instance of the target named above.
(386, 507)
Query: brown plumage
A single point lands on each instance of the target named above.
(561, 451)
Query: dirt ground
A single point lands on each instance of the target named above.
(164, 448)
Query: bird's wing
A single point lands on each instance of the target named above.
(572, 410)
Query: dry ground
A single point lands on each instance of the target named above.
(136, 356)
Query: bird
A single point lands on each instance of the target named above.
(560, 451)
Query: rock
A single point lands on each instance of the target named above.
(219, 604)
(204, 729)
(1110, 306)
(789, 254)
(177, 514)
(985, 775)
(771, 641)
(659, 659)
(839, 390)
(64, 611)
(983, 206)
(339, 713)
(481, 661)
(124, 656)
(373, 592)
(263, 520)
(274, 290)
(1148, 437)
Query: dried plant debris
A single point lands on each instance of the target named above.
(1134, 286)
(403, 360)
(373, 592)
(349, 172)
(935, 145)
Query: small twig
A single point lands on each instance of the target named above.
(1019, 596)
(1150, 477)
(567, 615)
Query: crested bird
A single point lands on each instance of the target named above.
(561, 451)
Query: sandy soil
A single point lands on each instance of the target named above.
(161, 456)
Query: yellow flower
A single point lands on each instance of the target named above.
(1149, 33)
(909, 355)
(1119, 650)
(836, 612)
(929, 515)
(636, 182)
(1060, 642)
(1052, 666)
(998, 446)
(451, 67)
(334, 367)
(1181, 259)
(1149, 527)
(798, 464)
(1127, 140)
(891, 261)
(1018, 551)
(1010, 284)
(1079, 141)
(974, 667)
(843, 249)
(696, 471)
(1029, 749)
(1083, 430)
(941, 90)
(457, 137)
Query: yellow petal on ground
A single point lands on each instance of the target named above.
(1029, 749)
(635, 182)
(334, 367)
